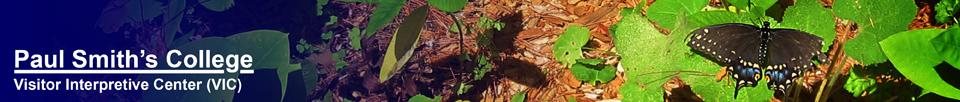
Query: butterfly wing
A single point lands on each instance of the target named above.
(737, 45)
(790, 52)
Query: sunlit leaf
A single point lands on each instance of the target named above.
(948, 46)
(403, 42)
(811, 17)
(567, 48)
(913, 54)
(665, 12)
(877, 20)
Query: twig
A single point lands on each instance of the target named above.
(828, 86)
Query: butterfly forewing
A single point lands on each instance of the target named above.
(736, 45)
(724, 42)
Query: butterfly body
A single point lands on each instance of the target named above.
(746, 49)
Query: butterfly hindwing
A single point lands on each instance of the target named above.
(790, 53)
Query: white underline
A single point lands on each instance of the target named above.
(221, 71)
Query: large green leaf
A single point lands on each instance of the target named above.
(172, 18)
(912, 53)
(309, 72)
(948, 46)
(645, 50)
(385, 12)
(216, 5)
(448, 5)
(141, 10)
(665, 12)
(403, 42)
(877, 20)
(567, 48)
(268, 48)
(811, 17)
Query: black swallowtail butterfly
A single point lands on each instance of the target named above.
(745, 49)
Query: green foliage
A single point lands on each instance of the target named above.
(665, 12)
(519, 97)
(269, 50)
(421, 98)
(338, 56)
(141, 10)
(591, 70)
(327, 35)
(355, 38)
(857, 83)
(811, 17)
(877, 20)
(333, 19)
(485, 39)
(482, 67)
(403, 42)
(948, 46)
(754, 6)
(644, 50)
(461, 88)
(630, 11)
(309, 74)
(173, 16)
(455, 28)
(182, 39)
(487, 22)
(945, 10)
(320, 4)
(567, 48)
(708, 18)
(303, 47)
(385, 12)
(914, 55)
(216, 5)
(327, 97)
(111, 19)
(448, 5)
